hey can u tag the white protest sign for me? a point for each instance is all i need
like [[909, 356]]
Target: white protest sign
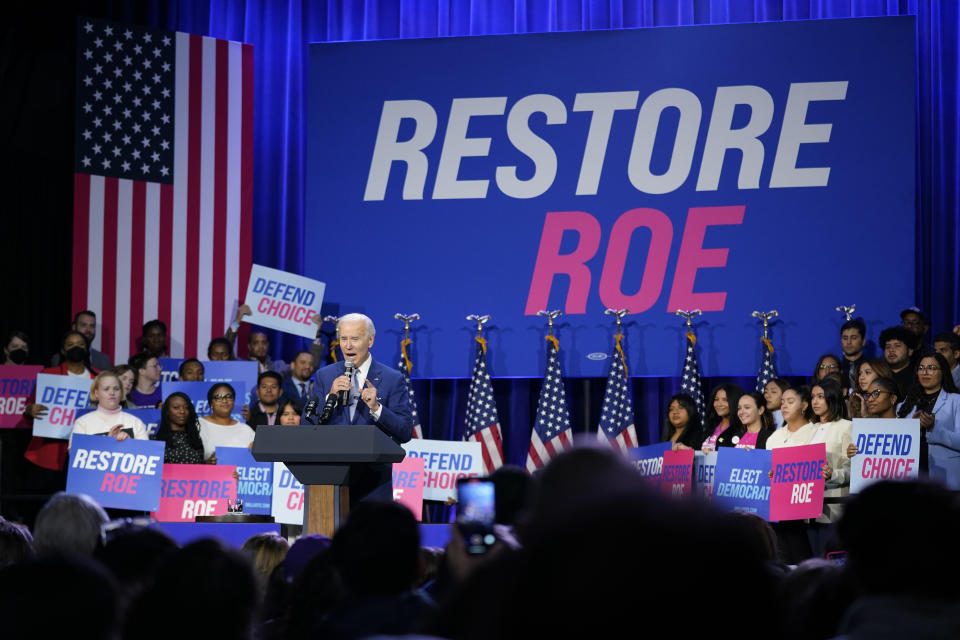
[[444, 463], [283, 301], [288, 496], [887, 449], [64, 397]]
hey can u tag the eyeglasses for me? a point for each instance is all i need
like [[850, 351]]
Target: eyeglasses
[[928, 367], [874, 394], [223, 396], [828, 367]]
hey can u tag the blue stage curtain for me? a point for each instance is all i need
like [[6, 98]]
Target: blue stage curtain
[[281, 30]]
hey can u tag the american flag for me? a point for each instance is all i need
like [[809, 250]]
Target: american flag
[[690, 383], [616, 417], [483, 425], [162, 183], [551, 431], [405, 370], [767, 370]]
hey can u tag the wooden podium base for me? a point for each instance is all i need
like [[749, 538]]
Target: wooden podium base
[[327, 505]]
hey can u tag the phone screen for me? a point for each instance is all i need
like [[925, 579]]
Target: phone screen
[[476, 509]]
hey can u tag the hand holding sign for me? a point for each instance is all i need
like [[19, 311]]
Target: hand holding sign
[[116, 431]]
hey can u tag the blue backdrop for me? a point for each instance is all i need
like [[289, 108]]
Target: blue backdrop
[[280, 32]]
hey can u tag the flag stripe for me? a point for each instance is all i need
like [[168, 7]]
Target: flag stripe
[[108, 265], [168, 266], [138, 259], [122, 269], [246, 201], [95, 254], [195, 144], [151, 259], [234, 186], [181, 178], [208, 155], [81, 215]]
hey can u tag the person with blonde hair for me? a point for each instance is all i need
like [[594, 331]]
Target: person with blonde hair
[[109, 418]]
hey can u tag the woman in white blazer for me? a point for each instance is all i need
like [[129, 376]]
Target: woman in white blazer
[[836, 432]]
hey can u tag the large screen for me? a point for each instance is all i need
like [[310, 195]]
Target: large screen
[[723, 168]]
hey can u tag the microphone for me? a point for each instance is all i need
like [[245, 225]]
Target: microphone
[[347, 371], [327, 412], [310, 409]]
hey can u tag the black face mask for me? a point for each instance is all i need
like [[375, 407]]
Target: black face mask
[[76, 354], [18, 356]]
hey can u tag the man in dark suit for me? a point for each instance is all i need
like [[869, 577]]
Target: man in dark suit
[[299, 387], [377, 396]]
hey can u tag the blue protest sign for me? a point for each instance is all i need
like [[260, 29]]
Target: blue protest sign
[[170, 369], [649, 460], [255, 486], [197, 392], [704, 468], [64, 397], [743, 480], [245, 371], [648, 189], [123, 475]]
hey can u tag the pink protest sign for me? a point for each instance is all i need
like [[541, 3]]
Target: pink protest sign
[[796, 489], [676, 479], [191, 490], [408, 484], [16, 385]]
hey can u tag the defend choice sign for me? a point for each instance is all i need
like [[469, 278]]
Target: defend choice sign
[[743, 481], [639, 186], [284, 301], [64, 397], [797, 489], [288, 496], [191, 490], [444, 463], [16, 385], [886, 450], [124, 475]]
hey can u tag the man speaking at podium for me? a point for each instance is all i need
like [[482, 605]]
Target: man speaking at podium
[[374, 394]]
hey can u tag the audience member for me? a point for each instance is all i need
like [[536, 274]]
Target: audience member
[[128, 379], [146, 393], [180, 430], [947, 344], [266, 409], [289, 413], [813, 598], [69, 524], [755, 423], [153, 339], [899, 537], [881, 400], [772, 396], [914, 321], [299, 385], [219, 429], [934, 400], [836, 432], [133, 553], [853, 337], [266, 552], [258, 345], [720, 417], [512, 487], [108, 419], [220, 349], [898, 344], [191, 370], [828, 366], [866, 371], [85, 323], [682, 426], [16, 543], [16, 348]]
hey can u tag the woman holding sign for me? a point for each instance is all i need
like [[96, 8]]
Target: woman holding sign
[[220, 429], [682, 426], [720, 417], [756, 422], [109, 419], [834, 430], [934, 400], [180, 429]]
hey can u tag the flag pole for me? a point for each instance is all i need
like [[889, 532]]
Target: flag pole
[[405, 343], [767, 369]]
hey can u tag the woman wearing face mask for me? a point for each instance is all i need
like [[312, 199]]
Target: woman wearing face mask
[[109, 418], [720, 416], [50, 454], [934, 400], [16, 348], [836, 432]]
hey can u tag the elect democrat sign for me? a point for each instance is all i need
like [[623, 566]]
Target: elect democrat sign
[[643, 169]]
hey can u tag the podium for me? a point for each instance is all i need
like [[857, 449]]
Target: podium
[[325, 459]]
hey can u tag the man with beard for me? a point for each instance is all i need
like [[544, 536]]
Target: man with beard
[[85, 323]]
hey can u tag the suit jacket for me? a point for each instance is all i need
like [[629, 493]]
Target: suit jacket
[[395, 416], [944, 440], [291, 391], [373, 482]]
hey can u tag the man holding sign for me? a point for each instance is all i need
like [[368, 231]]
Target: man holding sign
[[373, 394]]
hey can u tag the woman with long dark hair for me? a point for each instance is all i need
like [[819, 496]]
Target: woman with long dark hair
[[721, 415], [934, 400], [289, 413], [756, 423], [836, 432], [682, 424], [828, 366], [864, 373], [773, 396], [180, 429]]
